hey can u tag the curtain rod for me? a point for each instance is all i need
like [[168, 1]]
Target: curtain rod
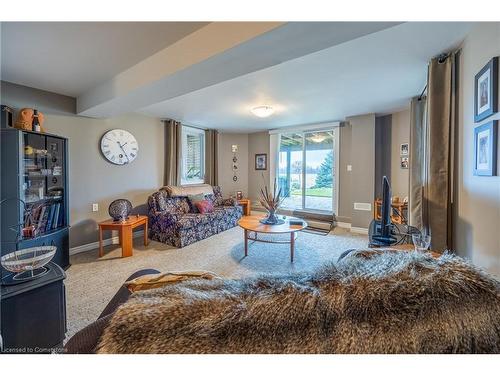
[[423, 92]]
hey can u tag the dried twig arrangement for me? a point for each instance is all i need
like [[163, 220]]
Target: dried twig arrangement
[[271, 201]]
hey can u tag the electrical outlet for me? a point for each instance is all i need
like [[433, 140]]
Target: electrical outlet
[[95, 207], [349, 168]]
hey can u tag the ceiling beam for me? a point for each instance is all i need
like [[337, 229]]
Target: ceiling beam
[[215, 53]]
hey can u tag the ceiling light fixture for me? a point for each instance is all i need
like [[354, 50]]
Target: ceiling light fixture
[[263, 111], [318, 138]]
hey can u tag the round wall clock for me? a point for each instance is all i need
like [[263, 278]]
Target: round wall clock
[[119, 146]]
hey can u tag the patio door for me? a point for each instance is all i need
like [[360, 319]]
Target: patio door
[[307, 170]]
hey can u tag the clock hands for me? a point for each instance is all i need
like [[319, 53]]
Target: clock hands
[[121, 146]]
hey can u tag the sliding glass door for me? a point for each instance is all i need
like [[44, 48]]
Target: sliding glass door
[[306, 170]]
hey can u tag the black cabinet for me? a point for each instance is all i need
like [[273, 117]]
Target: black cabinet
[[34, 169], [33, 313]]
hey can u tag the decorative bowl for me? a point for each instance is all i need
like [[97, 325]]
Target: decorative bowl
[[26, 260], [120, 209]]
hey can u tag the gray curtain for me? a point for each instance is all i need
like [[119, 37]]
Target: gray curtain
[[211, 149], [173, 149], [418, 126], [432, 147]]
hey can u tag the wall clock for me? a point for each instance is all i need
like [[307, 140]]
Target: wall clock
[[119, 146]]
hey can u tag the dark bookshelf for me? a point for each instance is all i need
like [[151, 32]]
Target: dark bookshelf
[[34, 170]]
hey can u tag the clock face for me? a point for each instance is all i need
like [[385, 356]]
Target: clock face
[[119, 146]]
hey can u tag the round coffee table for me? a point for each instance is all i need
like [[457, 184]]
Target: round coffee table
[[252, 224]]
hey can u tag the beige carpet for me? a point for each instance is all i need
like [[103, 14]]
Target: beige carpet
[[91, 282]]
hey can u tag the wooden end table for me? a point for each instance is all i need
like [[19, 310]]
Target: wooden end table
[[246, 204], [252, 224], [125, 229]]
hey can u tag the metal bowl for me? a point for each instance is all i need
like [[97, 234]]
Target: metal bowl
[[28, 259]]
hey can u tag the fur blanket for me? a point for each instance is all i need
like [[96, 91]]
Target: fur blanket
[[369, 302]]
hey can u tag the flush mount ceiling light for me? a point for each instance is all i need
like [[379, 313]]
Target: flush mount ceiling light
[[317, 138], [262, 111]]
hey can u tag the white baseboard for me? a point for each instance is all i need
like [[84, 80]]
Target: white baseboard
[[341, 224], [359, 230], [95, 245]]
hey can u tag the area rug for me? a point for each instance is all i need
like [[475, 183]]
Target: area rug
[[92, 281]]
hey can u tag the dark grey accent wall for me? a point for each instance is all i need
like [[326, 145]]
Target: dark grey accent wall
[[363, 167], [17, 96], [383, 141]]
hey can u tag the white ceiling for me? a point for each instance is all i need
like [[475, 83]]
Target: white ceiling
[[376, 73], [72, 57]]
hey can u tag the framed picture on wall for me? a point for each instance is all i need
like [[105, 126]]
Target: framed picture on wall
[[485, 149], [486, 91], [405, 162], [405, 149], [260, 162]]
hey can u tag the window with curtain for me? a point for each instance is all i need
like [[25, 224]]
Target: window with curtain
[[193, 155]]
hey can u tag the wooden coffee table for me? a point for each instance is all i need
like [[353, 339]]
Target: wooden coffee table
[[251, 224], [125, 229]]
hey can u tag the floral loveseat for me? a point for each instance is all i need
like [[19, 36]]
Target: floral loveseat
[[174, 221]]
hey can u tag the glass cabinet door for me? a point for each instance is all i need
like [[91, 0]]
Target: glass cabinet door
[[34, 168], [43, 184]]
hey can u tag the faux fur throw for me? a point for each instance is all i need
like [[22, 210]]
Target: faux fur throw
[[369, 302]]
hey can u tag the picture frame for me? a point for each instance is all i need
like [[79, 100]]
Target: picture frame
[[486, 91], [485, 149], [260, 162], [404, 149], [405, 162]]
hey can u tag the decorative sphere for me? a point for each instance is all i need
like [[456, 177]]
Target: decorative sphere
[[120, 209]]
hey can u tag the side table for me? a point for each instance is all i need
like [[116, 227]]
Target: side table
[[246, 204], [125, 229]]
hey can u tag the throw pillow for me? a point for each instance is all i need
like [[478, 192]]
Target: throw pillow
[[158, 280], [193, 199], [204, 207]]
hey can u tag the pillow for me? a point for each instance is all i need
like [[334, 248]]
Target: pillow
[[193, 199], [158, 280], [184, 191], [211, 198], [204, 207]]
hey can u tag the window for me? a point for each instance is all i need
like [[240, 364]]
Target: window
[[193, 155], [306, 170]]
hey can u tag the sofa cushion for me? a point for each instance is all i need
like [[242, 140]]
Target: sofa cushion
[[204, 207], [161, 198], [191, 220], [218, 199], [184, 191], [193, 199]]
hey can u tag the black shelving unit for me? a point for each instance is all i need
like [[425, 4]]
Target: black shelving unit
[[34, 170]]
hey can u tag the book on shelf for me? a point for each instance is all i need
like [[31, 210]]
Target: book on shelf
[[50, 217], [40, 226], [55, 223], [45, 217]]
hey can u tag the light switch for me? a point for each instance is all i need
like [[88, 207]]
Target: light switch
[[95, 207], [349, 168]]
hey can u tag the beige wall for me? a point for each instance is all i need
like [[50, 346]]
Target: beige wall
[[258, 143], [92, 179], [400, 133], [225, 157], [363, 167], [477, 233]]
